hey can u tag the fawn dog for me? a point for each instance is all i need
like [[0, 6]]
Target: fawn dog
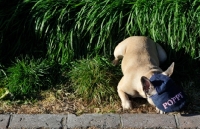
[[141, 57]]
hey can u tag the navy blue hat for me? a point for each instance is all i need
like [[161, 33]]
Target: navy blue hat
[[169, 97]]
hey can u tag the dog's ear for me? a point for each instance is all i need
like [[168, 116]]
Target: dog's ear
[[170, 70], [148, 88]]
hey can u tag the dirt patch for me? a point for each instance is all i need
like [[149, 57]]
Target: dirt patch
[[58, 102]]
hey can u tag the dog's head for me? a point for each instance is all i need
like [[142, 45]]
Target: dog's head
[[162, 90]]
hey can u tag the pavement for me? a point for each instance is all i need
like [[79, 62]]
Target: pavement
[[99, 121]]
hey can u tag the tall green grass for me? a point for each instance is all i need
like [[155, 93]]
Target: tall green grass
[[64, 30]]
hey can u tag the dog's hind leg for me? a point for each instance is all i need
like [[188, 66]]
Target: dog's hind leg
[[126, 103], [161, 53]]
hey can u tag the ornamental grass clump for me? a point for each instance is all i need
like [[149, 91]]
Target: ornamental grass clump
[[27, 77], [93, 80]]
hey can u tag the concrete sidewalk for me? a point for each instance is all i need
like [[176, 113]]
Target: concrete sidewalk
[[101, 121]]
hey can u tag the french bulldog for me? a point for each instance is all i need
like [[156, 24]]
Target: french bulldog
[[142, 76]]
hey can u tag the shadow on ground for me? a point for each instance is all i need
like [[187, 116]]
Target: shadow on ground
[[186, 74]]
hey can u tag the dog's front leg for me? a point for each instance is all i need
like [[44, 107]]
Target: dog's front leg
[[126, 103]]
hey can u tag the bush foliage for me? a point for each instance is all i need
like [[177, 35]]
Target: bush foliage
[[68, 29]]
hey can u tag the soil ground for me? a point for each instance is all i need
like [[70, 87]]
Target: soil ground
[[59, 102]]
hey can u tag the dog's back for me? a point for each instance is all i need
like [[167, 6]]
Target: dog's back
[[137, 52]]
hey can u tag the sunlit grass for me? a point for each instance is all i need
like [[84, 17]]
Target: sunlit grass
[[94, 79]]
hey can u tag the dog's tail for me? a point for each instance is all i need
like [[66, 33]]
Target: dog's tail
[[119, 53], [115, 62]]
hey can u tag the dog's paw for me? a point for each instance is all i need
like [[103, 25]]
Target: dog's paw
[[126, 105], [158, 111]]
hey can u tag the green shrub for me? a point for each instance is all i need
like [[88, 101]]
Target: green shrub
[[17, 35], [95, 26], [93, 79], [26, 77], [68, 29]]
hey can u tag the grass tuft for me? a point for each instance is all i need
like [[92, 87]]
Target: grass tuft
[[93, 79], [27, 76]]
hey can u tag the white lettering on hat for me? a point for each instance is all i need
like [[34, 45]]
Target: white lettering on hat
[[172, 101]]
